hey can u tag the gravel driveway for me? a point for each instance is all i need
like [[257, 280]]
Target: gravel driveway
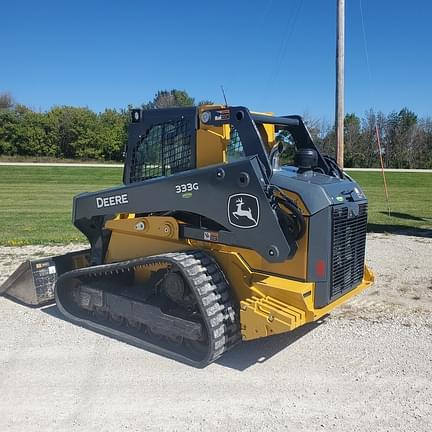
[[368, 367]]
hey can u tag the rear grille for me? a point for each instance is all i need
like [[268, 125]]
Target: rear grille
[[348, 254]]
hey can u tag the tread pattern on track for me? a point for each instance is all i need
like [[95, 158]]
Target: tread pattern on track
[[206, 280]]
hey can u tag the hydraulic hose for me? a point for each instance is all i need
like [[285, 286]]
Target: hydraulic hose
[[296, 217]]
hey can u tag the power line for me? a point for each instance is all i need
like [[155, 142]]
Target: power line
[[282, 49], [377, 131], [365, 41]]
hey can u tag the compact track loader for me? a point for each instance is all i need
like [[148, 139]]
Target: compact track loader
[[230, 225]]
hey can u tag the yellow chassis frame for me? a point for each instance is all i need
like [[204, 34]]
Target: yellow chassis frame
[[269, 304]]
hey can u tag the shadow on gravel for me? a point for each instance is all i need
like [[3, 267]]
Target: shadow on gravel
[[245, 354], [53, 311], [400, 230], [259, 351]]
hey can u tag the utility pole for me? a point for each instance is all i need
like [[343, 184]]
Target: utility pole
[[340, 82]]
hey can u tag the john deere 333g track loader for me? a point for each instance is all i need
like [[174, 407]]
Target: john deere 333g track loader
[[229, 225]]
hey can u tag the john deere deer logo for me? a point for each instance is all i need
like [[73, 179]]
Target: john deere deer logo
[[243, 210]]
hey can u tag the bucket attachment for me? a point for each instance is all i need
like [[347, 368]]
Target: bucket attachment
[[32, 283]]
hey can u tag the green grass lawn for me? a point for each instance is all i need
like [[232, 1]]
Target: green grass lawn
[[410, 202], [36, 202]]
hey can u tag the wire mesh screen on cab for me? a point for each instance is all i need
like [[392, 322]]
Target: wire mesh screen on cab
[[235, 149], [165, 149]]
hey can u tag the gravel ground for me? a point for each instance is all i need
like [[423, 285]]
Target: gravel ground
[[368, 367]]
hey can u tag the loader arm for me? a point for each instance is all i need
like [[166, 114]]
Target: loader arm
[[212, 191]]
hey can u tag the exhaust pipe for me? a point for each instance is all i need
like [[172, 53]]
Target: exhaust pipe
[[32, 283]]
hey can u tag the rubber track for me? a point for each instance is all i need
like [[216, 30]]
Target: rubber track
[[206, 280]]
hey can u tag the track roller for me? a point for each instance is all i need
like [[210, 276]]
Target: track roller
[[185, 310]]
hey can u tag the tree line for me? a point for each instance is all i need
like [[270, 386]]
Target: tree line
[[80, 133], [406, 139]]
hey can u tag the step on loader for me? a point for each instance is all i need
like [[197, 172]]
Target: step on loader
[[230, 225]]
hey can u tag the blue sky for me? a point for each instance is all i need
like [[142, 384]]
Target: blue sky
[[270, 55]]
